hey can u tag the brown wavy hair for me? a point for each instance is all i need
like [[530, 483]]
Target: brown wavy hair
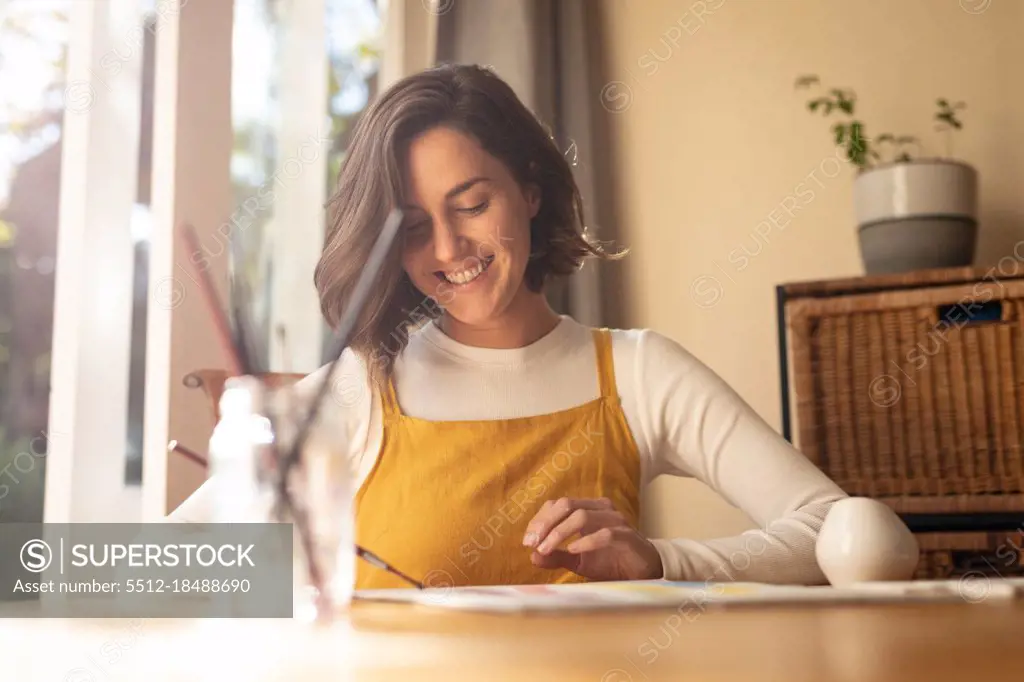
[[476, 102]]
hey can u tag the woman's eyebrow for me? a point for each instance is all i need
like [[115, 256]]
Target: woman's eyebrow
[[463, 186]]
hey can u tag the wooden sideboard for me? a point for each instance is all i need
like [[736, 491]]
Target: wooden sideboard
[[910, 389]]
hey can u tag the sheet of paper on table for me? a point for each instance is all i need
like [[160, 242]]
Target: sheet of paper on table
[[661, 593]]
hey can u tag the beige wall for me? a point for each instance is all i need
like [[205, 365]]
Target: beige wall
[[709, 143]]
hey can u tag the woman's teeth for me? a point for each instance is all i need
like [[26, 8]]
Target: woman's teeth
[[468, 275]]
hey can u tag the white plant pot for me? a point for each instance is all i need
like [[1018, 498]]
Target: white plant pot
[[916, 215]]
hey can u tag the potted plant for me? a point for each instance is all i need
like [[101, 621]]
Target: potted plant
[[913, 212]]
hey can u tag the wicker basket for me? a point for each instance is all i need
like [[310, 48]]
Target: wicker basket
[[910, 389], [952, 555]]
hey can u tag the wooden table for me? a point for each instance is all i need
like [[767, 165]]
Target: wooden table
[[376, 642]]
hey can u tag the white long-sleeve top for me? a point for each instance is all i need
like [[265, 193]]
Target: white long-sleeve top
[[685, 420]]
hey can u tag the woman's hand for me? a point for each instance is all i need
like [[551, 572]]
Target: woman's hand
[[608, 547]]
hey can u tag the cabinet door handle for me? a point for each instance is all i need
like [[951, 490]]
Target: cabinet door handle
[[962, 314]]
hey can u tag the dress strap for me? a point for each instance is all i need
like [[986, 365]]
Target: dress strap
[[605, 364], [389, 400]]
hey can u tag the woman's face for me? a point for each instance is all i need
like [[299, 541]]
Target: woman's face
[[466, 227]]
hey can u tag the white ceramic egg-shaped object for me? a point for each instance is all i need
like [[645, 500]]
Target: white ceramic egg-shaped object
[[863, 540]]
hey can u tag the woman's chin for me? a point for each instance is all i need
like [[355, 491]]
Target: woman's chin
[[473, 316], [475, 311]]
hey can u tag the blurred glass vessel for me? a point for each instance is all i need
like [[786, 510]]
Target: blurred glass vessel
[[256, 424]]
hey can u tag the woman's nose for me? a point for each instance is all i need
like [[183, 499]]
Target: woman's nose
[[446, 242]]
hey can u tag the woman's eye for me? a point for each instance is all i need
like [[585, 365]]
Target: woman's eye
[[416, 230], [475, 210]]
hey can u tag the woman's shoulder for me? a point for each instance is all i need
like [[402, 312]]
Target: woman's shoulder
[[349, 385], [655, 357], [659, 362], [647, 344], [351, 363]]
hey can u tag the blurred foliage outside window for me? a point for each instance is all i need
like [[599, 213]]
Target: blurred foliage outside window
[[33, 51], [353, 51]]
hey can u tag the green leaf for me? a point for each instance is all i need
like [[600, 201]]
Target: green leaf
[[942, 103], [856, 140], [813, 104], [840, 132], [806, 81], [844, 100]]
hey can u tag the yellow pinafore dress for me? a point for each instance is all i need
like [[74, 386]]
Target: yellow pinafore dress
[[448, 502]]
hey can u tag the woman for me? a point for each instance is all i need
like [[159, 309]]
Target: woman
[[497, 442]]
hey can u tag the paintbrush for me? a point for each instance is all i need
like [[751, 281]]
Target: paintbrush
[[175, 446], [241, 309], [364, 554], [236, 341], [349, 319], [226, 335], [346, 328], [374, 560]]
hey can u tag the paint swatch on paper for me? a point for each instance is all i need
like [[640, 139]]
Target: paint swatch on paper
[[663, 594]]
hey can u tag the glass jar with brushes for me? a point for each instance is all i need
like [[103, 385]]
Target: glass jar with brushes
[[258, 478]]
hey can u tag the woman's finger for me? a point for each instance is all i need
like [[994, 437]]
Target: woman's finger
[[554, 512], [557, 559], [581, 521], [600, 539]]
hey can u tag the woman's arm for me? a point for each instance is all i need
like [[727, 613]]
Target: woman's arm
[[697, 425]]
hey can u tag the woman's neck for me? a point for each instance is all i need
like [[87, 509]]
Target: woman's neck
[[529, 318]]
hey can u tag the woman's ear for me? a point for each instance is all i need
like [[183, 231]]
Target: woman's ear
[[531, 192]]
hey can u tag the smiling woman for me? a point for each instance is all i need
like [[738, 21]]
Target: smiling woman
[[496, 441], [469, 164], [473, 211]]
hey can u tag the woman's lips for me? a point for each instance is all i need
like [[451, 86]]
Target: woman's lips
[[466, 276]]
